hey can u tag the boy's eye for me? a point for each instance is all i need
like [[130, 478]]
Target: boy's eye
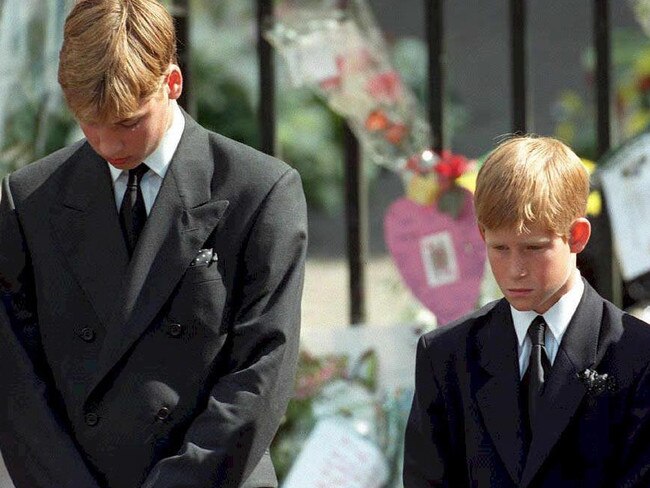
[[130, 123]]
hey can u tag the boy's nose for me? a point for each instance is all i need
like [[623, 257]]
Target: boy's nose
[[109, 146], [518, 268]]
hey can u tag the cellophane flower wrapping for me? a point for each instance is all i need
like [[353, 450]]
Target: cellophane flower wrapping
[[337, 49]]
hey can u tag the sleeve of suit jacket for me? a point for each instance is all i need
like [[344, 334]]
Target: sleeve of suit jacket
[[426, 439], [226, 441], [37, 448]]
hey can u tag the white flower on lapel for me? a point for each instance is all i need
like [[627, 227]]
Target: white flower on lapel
[[596, 383]]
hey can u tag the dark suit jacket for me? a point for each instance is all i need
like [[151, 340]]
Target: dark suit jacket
[[465, 429], [160, 373]]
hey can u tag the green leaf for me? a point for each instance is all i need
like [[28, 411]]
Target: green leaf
[[451, 201]]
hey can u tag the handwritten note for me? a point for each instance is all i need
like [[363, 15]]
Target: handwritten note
[[335, 456], [625, 181]]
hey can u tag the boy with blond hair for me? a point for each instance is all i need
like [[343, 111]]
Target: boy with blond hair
[[152, 277], [549, 386]]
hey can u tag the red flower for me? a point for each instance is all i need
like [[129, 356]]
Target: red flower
[[395, 133], [451, 166], [377, 120], [413, 164], [331, 83], [385, 86]]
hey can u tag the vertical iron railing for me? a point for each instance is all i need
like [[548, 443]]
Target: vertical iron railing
[[598, 260], [601, 41], [518, 53], [355, 194], [356, 221], [435, 41], [605, 279], [267, 81], [180, 10], [356, 213]]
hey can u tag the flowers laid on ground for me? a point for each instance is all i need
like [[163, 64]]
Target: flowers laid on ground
[[329, 386]]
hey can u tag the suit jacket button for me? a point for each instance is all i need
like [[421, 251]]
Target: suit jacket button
[[88, 334], [175, 330], [163, 413], [91, 419]]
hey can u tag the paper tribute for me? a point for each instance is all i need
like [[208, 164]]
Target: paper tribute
[[625, 180], [439, 259], [336, 456]]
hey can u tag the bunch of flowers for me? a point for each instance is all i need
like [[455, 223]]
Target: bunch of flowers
[[328, 386], [440, 179], [338, 52]]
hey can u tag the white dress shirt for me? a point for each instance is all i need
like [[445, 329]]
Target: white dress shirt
[[158, 162], [557, 318]]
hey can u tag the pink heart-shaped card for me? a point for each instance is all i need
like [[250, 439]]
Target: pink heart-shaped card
[[440, 258]]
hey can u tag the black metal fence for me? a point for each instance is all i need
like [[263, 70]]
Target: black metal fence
[[597, 263]]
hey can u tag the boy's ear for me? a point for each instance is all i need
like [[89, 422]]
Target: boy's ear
[[174, 82], [579, 234]]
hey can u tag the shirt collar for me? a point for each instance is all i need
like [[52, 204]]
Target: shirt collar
[[159, 160], [557, 317]]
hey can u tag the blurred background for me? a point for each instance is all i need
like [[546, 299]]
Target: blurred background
[[225, 97], [224, 90]]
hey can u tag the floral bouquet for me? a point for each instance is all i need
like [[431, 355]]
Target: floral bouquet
[[328, 387], [336, 49]]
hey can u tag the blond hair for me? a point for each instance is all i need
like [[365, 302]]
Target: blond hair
[[531, 180], [115, 55]]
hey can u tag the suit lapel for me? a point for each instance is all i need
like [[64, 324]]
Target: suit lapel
[[497, 391], [563, 391], [86, 227], [183, 216]]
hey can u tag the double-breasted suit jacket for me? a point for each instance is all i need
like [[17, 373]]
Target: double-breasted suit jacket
[[162, 370], [465, 427]]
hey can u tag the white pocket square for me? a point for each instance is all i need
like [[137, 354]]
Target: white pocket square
[[204, 258]]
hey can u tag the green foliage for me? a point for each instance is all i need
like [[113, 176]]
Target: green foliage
[[575, 115], [32, 132], [309, 136], [222, 103]]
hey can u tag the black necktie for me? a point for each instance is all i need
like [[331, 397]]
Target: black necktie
[[133, 213], [538, 367]]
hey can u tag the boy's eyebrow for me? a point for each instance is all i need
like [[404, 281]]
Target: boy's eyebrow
[[532, 240], [536, 241]]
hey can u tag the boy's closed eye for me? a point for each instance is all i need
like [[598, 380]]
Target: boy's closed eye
[[131, 123], [535, 247]]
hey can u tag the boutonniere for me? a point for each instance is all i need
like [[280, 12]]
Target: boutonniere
[[596, 383]]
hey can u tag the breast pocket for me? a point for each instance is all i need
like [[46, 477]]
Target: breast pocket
[[204, 267]]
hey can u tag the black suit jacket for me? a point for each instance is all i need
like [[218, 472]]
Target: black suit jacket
[[161, 373], [465, 428]]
